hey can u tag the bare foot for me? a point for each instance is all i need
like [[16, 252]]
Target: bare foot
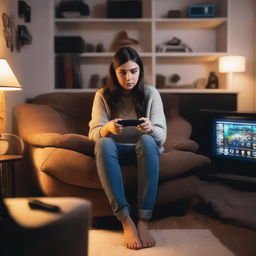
[[145, 237], [131, 236]]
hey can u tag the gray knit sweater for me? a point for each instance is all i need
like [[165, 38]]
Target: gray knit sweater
[[101, 115]]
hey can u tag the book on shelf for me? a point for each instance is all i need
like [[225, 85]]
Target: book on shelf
[[68, 72]]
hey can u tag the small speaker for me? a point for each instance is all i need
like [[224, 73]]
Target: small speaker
[[201, 10], [124, 9]]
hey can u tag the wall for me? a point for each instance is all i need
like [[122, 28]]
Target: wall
[[241, 42], [33, 65]]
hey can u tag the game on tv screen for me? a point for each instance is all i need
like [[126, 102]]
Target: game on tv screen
[[234, 139]]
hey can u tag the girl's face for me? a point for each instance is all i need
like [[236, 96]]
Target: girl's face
[[128, 75]]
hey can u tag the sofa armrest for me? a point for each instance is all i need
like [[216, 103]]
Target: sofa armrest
[[75, 142], [186, 145], [178, 137]]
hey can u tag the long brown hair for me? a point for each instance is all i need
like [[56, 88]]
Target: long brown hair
[[113, 90]]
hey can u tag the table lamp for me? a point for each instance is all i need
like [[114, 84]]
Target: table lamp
[[231, 64], [8, 82]]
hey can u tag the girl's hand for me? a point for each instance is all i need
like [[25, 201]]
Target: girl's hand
[[146, 126], [111, 127]]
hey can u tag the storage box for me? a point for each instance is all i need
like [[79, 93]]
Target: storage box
[[69, 44], [124, 9]]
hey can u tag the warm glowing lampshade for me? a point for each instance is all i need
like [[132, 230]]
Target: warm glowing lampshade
[[8, 81], [229, 64]]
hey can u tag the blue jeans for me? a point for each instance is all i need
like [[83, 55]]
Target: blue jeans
[[110, 155]]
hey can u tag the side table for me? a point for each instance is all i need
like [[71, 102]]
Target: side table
[[7, 172]]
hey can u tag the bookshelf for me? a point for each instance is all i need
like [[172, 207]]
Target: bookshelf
[[208, 38]]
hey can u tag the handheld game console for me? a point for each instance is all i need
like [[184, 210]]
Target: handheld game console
[[130, 122]]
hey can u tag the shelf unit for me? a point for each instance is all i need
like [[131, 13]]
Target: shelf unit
[[208, 38]]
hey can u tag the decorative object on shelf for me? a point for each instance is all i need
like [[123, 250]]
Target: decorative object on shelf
[[174, 45], [174, 41], [213, 81], [94, 81], [100, 47], [89, 47], [24, 10], [124, 9], [68, 72], [72, 9], [8, 82], [231, 64], [201, 10], [160, 81], [122, 40], [175, 78], [173, 14], [69, 44], [200, 83], [97, 82], [94, 48], [23, 36]]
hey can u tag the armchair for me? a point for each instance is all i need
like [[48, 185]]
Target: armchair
[[54, 127]]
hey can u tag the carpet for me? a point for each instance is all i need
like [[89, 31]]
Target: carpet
[[169, 242]]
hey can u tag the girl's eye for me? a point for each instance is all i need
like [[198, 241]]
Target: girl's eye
[[134, 71]]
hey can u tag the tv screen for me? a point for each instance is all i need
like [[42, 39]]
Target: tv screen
[[234, 139]]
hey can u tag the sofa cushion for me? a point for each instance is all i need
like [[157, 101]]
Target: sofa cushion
[[33, 119], [175, 163], [80, 170]]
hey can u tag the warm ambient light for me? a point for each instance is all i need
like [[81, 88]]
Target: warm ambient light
[[8, 81], [231, 64]]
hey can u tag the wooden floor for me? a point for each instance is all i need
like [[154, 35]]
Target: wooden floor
[[241, 241]]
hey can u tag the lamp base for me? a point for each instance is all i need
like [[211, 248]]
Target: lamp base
[[4, 146], [11, 144]]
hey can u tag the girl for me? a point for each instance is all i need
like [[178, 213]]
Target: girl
[[127, 97]]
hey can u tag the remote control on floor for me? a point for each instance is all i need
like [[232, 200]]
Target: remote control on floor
[[39, 205]]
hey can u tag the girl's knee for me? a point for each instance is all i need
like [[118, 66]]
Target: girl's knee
[[147, 140], [146, 143], [104, 144]]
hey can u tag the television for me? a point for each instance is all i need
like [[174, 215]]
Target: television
[[233, 144], [235, 139]]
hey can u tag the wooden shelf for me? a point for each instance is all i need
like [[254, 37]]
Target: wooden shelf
[[100, 20], [180, 91], [191, 23], [190, 56]]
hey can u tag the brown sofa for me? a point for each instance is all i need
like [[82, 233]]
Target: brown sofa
[[59, 157]]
